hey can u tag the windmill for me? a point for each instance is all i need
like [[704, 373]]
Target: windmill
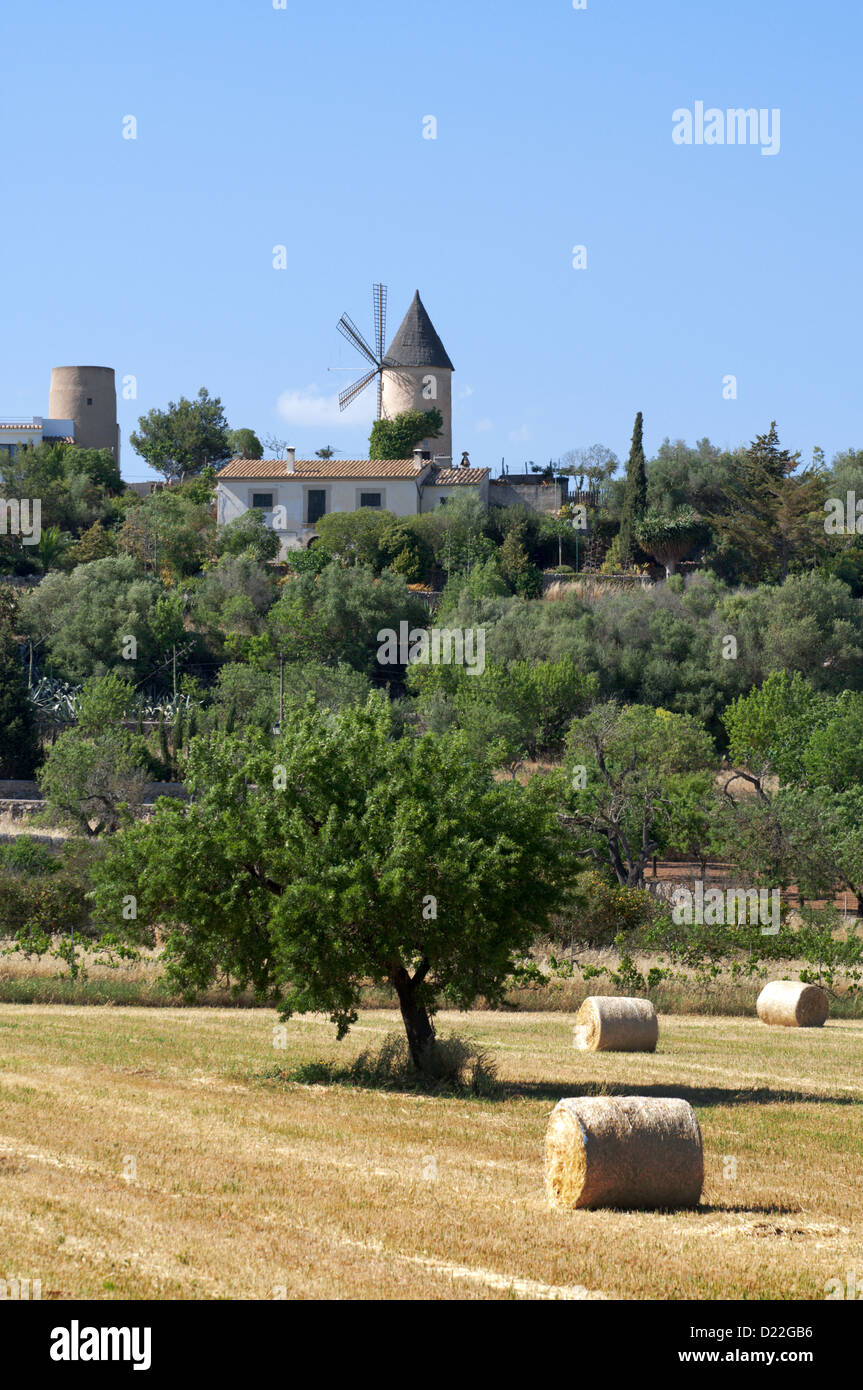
[[349, 330]]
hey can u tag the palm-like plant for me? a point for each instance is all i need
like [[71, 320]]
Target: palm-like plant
[[50, 547]]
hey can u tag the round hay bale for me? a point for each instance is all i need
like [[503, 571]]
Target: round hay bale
[[790, 1004], [627, 1151], [607, 1024]]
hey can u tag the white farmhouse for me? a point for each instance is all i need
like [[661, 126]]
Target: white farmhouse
[[294, 494]]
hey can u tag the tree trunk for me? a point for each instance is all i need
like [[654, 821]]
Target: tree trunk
[[418, 1025]]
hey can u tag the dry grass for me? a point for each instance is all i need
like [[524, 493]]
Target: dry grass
[[44, 980], [28, 825], [247, 1184]]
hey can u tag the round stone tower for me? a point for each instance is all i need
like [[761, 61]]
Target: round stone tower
[[87, 396], [418, 376]]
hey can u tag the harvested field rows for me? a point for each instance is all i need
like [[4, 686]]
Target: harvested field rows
[[246, 1185]]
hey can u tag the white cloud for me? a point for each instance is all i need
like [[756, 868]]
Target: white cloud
[[310, 408], [464, 393], [484, 426], [520, 436]]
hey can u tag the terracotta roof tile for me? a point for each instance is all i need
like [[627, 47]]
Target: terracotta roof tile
[[451, 477], [243, 469]]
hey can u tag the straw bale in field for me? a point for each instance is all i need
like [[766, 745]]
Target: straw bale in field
[[626, 1151], [791, 1004], [608, 1024]]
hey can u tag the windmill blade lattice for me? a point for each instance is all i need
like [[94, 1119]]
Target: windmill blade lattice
[[352, 334]]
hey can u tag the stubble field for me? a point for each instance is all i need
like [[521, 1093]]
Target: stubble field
[[161, 1153]]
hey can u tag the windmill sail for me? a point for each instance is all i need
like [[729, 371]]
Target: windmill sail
[[352, 334]]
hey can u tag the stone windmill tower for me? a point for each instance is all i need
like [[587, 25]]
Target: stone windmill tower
[[418, 376], [88, 397], [414, 374]]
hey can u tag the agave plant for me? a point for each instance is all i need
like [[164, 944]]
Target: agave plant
[[56, 700], [168, 707]]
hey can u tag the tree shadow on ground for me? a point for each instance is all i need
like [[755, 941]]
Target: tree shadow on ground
[[752, 1209], [698, 1096]]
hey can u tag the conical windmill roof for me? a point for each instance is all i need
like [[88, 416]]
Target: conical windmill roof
[[417, 343]]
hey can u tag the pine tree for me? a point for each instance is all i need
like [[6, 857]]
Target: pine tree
[[772, 513], [634, 495], [19, 734]]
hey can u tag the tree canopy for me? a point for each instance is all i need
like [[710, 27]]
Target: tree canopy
[[336, 855], [180, 441]]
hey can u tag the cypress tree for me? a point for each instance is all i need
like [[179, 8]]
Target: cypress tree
[[19, 732], [177, 737], [164, 752], [634, 494]]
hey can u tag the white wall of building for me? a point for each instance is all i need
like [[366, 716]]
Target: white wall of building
[[34, 432], [289, 498]]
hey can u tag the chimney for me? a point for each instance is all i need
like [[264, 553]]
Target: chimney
[[291, 460], [421, 456]]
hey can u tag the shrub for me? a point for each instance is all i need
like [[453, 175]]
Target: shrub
[[602, 910], [26, 855], [455, 1063]]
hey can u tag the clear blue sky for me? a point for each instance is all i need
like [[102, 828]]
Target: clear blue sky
[[260, 126]]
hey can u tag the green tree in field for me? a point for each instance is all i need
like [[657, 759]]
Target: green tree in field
[[622, 774], [180, 441], [97, 770], [769, 729], [833, 755], [336, 856], [398, 437], [103, 703], [634, 495], [92, 781]]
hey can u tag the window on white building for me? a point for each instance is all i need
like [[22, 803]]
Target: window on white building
[[316, 504]]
